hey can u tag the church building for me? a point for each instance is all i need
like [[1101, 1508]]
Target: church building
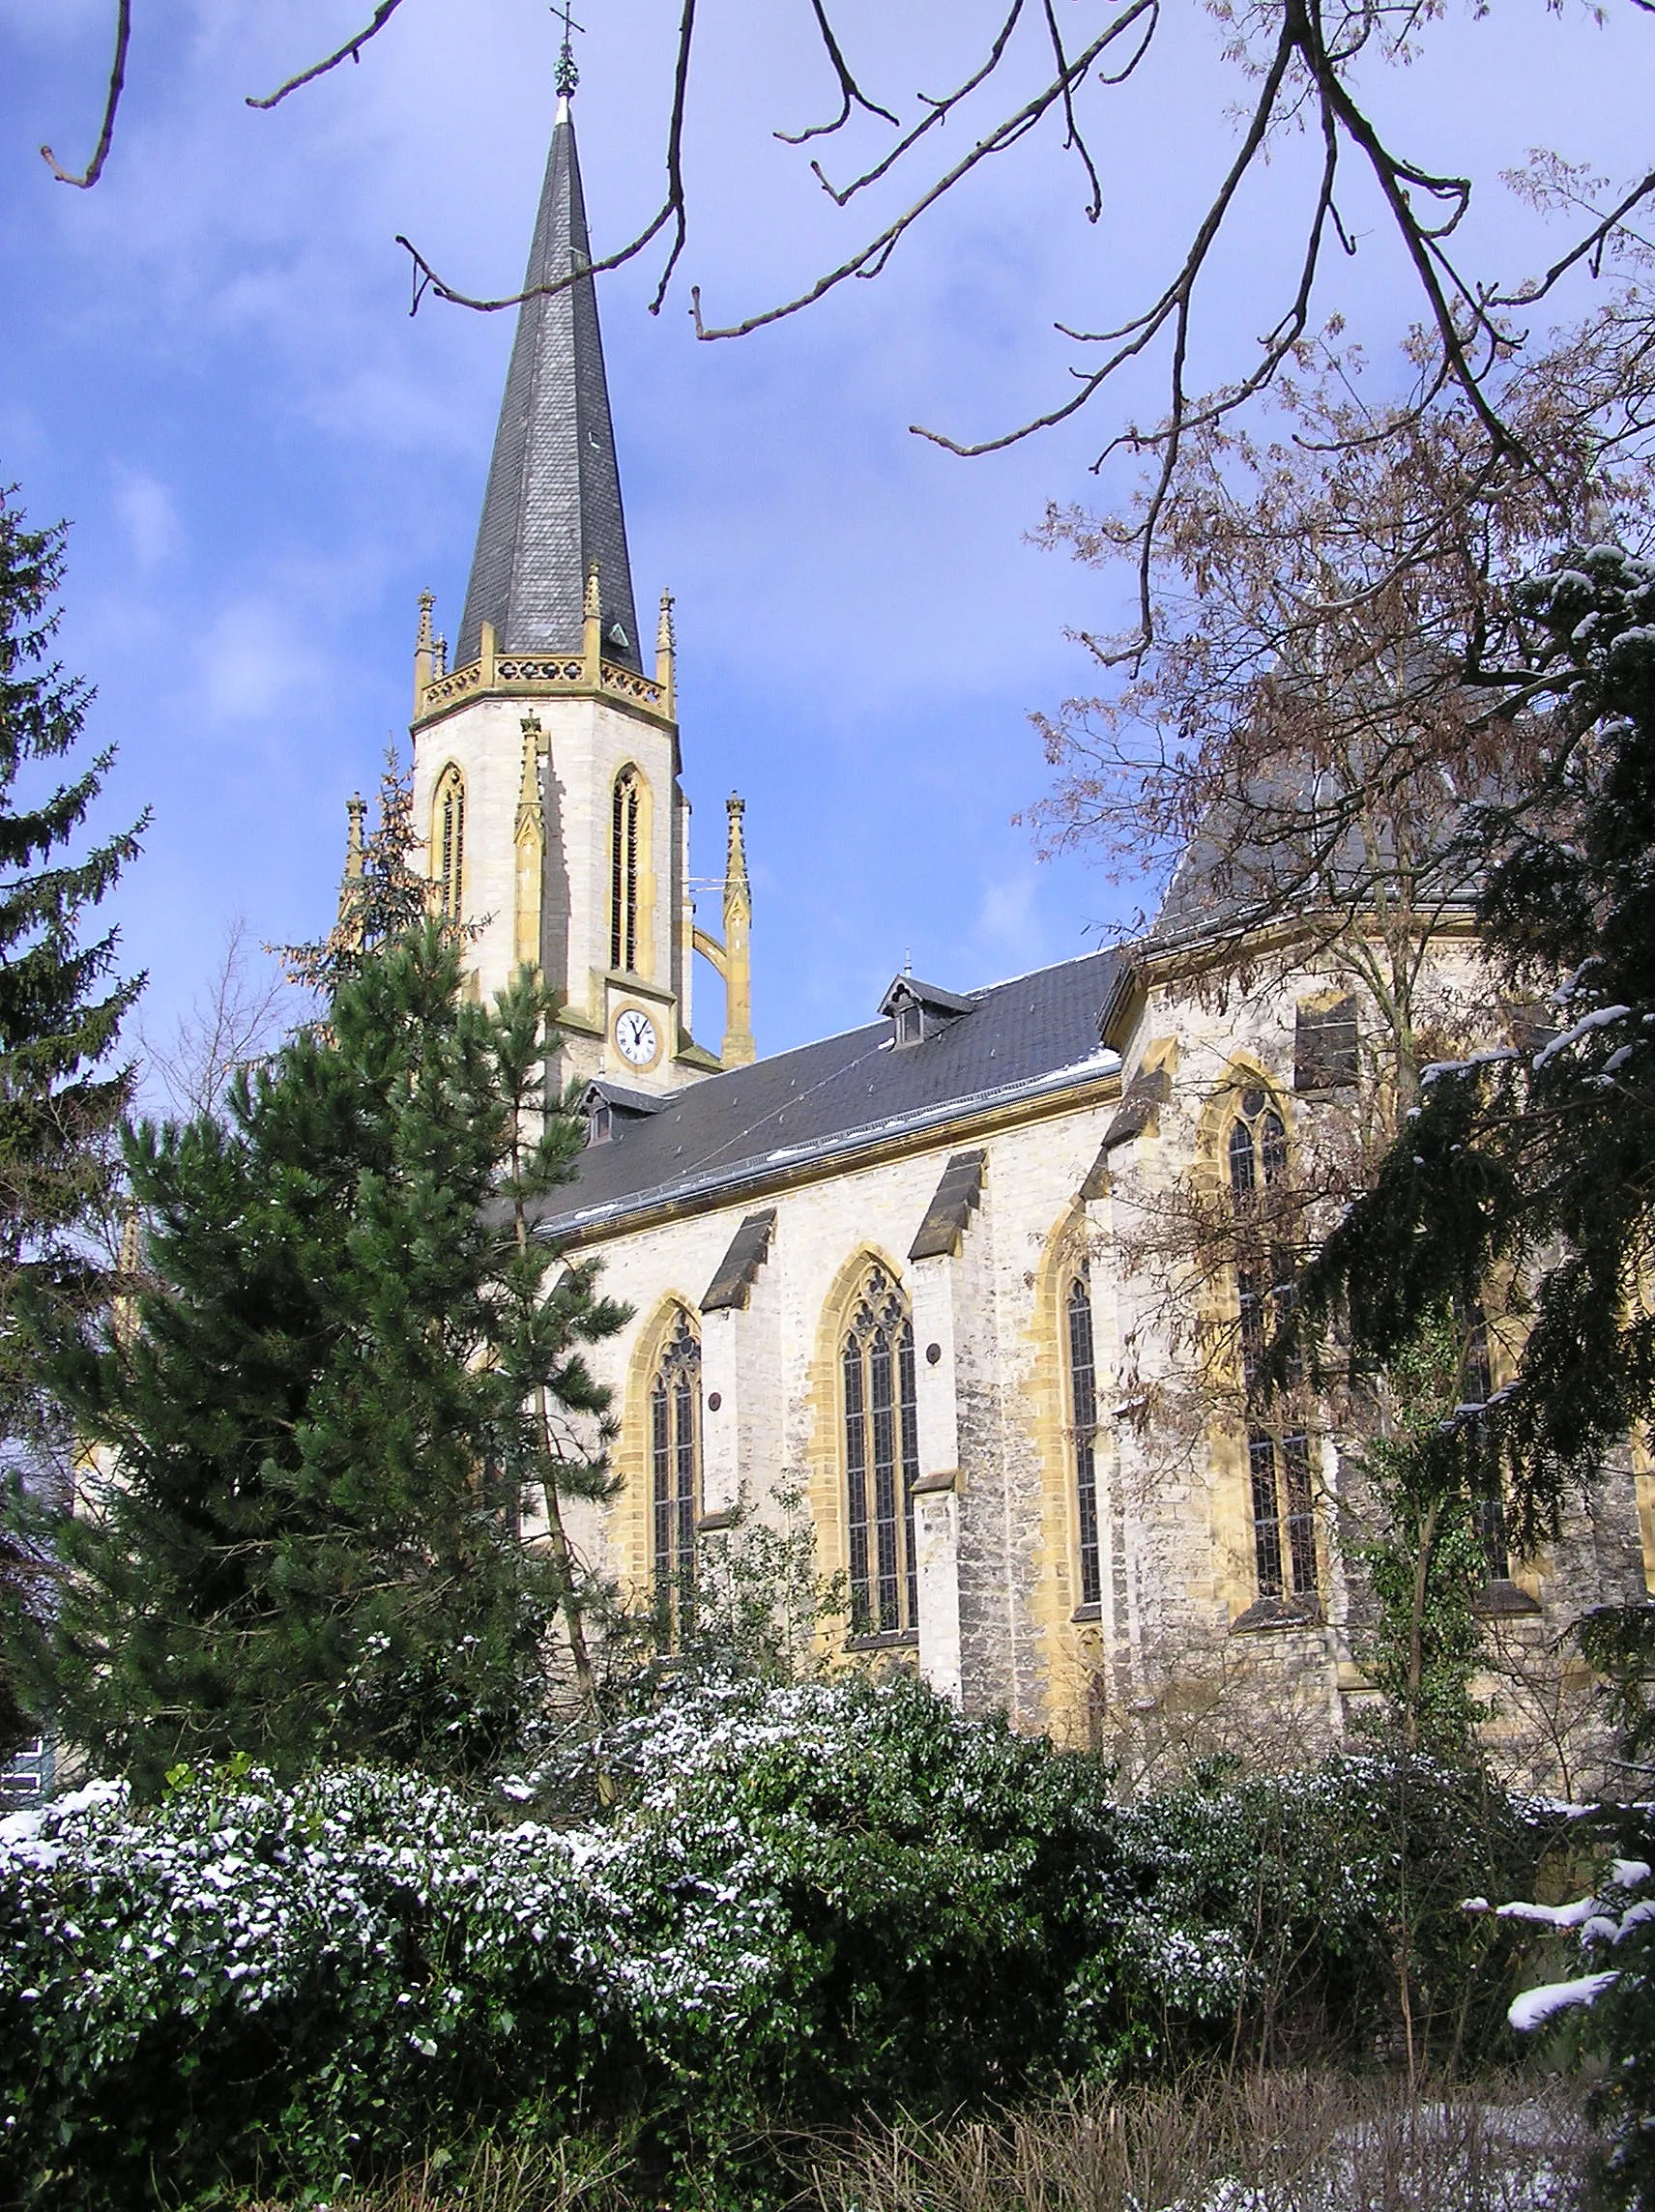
[[890, 1279]]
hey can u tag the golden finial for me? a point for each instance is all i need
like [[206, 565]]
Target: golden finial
[[356, 813], [426, 667], [738, 1049], [528, 791], [350, 886], [664, 648], [591, 634]]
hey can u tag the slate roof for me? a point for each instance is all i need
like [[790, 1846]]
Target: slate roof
[[1224, 882], [737, 1129], [553, 503]]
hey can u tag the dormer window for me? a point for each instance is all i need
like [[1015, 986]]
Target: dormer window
[[919, 1010], [610, 1110]]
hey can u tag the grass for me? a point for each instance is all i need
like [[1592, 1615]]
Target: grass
[[1270, 2142]]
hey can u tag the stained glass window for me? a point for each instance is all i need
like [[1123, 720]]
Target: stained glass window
[[1083, 1400], [1279, 1466]]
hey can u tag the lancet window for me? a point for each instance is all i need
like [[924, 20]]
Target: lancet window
[[1278, 1459], [882, 1458], [447, 841], [675, 1467], [1083, 1409], [625, 837]]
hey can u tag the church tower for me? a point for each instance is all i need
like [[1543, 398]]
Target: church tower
[[546, 765]]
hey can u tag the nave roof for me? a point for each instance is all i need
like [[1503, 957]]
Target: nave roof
[[846, 1093]]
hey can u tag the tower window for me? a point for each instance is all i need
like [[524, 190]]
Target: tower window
[[448, 838], [674, 1463], [882, 1458], [623, 886], [1083, 1402]]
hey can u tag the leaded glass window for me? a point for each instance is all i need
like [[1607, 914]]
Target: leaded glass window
[[1279, 1464], [882, 1458], [449, 829], [675, 1462], [623, 886], [1082, 1403]]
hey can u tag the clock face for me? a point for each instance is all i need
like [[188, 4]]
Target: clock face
[[635, 1035]]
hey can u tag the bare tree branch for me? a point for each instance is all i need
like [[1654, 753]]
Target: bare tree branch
[[850, 92], [872, 257], [351, 50], [673, 209], [1590, 246], [94, 169], [938, 111], [1302, 53]]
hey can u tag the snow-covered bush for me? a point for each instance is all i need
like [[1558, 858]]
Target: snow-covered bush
[[802, 1902], [1314, 1912], [1616, 1931]]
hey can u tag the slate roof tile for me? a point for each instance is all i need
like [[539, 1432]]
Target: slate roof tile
[[807, 1103], [553, 503]]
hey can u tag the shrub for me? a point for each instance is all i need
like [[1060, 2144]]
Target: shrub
[[801, 1904]]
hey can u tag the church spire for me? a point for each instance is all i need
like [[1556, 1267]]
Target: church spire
[[553, 504]]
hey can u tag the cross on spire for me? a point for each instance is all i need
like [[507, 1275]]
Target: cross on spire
[[568, 76]]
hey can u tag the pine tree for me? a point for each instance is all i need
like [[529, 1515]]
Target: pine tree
[[60, 1016], [344, 1393]]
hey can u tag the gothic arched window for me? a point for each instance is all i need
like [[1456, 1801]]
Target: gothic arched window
[[448, 842], [624, 864], [1278, 1461], [882, 1458], [1083, 1407], [674, 1471]]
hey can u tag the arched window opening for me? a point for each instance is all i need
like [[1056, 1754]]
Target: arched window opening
[[882, 1458], [449, 830], [674, 1463], [624, 885], [1278, 1462], [1083, 1405], [1257, 1148]]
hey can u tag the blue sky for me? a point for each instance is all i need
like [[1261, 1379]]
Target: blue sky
[[209, 366]]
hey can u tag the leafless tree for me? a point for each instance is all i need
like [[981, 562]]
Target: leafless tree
[[241, 1014], [1299, 68]]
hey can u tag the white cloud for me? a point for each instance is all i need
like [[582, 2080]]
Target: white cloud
[[150, 517], [1009, 926], [251, 661]]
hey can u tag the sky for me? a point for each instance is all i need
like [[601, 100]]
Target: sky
[[208, 364]]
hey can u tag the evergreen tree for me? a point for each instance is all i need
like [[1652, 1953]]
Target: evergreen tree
[[341, 1391], [60, 1016]]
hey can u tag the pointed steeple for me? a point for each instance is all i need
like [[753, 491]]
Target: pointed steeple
[[553, 504]]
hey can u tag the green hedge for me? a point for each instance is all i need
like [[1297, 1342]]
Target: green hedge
[[801, 1904]]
